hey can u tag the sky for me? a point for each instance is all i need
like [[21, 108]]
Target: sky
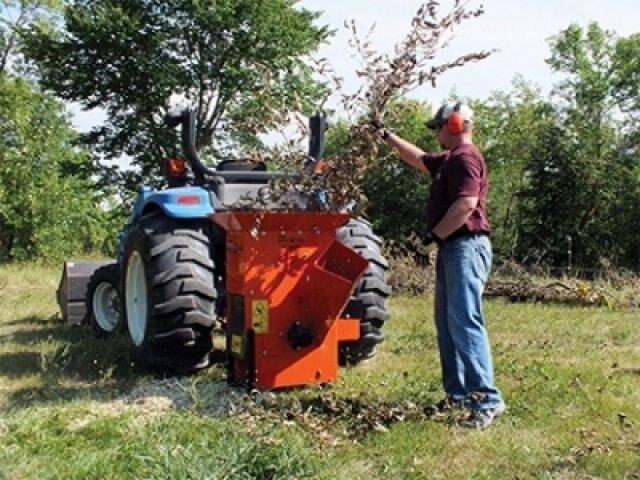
[[518, 29]]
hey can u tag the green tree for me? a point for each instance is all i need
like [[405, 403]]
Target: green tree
[[587, 95], [16, 15], [549, 199], [47, 206], [627, 74], [506, 130], [621, 239], [236, 61], [594, 101]]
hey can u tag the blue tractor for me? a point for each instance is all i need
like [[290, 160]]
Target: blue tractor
[[167, 288]]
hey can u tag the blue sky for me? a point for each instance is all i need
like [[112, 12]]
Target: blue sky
[[519, 29]]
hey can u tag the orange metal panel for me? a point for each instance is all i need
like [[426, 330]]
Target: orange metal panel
[[291, 270]]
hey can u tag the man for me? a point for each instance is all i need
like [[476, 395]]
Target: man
[[457, 223]]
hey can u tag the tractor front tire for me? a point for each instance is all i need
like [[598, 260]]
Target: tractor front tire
[[103, 302], [169, 293], [369, 297]]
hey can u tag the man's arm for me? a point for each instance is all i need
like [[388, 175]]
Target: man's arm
[[456, 216], [408, 152]]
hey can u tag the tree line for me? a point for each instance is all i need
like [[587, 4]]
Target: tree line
[[565, 176]]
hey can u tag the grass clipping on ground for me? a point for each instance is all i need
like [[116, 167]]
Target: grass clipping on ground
[[211, 398]]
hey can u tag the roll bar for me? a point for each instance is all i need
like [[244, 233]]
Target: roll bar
[[187, 121]]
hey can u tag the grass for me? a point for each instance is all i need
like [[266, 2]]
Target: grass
[[571, 378]]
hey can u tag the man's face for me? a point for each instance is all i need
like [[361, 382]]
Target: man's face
[[443, 135]]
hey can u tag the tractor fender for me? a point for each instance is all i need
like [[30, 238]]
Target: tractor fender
[[181, 202]]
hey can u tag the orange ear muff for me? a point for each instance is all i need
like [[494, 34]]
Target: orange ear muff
[[455, 123]]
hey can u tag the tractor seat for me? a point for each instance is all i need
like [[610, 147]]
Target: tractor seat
[[241, 166]]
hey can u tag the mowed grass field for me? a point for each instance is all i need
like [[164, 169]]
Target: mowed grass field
[[73, 406]]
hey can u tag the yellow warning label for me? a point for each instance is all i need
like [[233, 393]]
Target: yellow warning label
[[260, 316], [236, 344]]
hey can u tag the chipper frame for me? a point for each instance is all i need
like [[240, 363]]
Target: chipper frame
[[288, 280]]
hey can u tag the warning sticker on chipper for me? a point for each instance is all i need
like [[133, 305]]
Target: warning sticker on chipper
[[260, 316], [236, 344]]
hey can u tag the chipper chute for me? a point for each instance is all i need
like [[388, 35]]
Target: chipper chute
[[288, 282]]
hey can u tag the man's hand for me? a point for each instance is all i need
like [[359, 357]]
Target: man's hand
[[378, 126], [432, 241]]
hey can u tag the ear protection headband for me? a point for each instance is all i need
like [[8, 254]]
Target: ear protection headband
[[455, 122]]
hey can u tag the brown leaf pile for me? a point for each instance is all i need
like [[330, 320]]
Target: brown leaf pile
[[413, 273], [333, 420]]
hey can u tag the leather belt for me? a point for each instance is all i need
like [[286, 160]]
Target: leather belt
[[462, 233]]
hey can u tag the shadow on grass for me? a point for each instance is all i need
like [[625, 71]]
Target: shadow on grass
[[64, 362], [18, 364], [45, 333], [30, 320], [67, 362]]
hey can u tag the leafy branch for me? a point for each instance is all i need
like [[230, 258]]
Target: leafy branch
[[387, 78]]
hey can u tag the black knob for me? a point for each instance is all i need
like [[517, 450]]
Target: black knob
[[299, 336]]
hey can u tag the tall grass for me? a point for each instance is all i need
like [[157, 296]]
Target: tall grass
[[570, 377]]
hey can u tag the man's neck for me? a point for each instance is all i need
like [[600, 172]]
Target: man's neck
[[462, 139]]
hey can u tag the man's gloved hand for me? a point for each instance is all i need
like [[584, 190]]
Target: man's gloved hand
[[432, 241], [378, 126]]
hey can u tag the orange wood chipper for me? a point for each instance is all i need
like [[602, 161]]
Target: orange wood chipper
[[288, 282]]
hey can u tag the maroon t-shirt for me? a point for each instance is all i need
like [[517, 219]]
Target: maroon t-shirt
[[461, 172]]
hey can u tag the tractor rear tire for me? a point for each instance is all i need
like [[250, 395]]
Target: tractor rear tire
[[103, 301], [169, 293], [369, 297]]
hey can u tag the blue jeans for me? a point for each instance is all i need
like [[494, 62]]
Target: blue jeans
[[462, 269]]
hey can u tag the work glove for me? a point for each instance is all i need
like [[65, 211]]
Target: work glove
[[378, 126], [432, 241]]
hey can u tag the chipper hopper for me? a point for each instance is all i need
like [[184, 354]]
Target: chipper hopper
[[288, 281], [298, 288]]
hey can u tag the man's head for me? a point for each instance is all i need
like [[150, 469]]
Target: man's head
[[452, 122]]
